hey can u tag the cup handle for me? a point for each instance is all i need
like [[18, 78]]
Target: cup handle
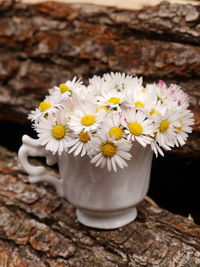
[[31, 147]]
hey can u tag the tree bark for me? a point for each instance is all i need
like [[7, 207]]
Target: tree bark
[[45, 44], [37, 228]]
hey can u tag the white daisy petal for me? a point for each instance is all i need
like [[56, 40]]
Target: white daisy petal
[[113, 165], [93, 160], [78, 150]]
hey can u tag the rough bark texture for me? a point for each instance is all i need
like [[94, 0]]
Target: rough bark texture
[[37, 228], [46, 44]]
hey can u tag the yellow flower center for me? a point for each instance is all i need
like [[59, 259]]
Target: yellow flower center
[[114, 100], [135, 128], [108, 149], [88, 120], [143, 90], [44, 106], [154, 111], [101, 107], [179, 128], [63, 88], [117, 132], [139, 104], [164, 125], [58, 131], [84, 137]]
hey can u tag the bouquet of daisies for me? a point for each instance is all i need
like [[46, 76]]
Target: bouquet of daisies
[[104, 119]]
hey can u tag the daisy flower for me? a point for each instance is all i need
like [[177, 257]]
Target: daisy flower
[[70, 104], [66, 89], [140, 99], [109, 152], [49, 106], [165, 128], [156, 110], [80, 144], [120, 81], [136, 85], [177, 95], [157, 92], [185, 120], [53, 132], [171, 97], [112, 125], [96, 85], [138, 127], [86, 118], [111, 99]]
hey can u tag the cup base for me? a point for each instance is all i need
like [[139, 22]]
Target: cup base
[[106, 220]]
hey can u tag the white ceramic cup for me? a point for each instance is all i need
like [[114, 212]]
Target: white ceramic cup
[[103, 199]]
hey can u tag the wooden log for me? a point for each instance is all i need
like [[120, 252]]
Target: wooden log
[[45, 44], [37, 228]]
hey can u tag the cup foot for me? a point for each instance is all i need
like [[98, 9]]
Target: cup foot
[[106, 220]]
